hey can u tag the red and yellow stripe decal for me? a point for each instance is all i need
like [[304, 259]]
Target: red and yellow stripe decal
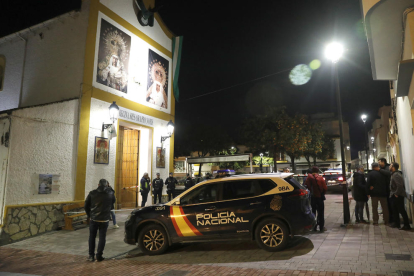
[[182, 225]]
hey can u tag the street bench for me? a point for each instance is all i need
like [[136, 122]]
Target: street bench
[[69, 218]]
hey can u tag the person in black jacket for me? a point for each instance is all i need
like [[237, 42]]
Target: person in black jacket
[[188, 182], [386, 173], [171, 182], [116, 226], [157, 184], [145, 188], [98, 209], [376, 184], [360, 194]]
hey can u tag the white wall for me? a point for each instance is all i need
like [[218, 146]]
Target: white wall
[[405, 134], [54, 61], [13, 53], [43, 140], [128, 11], [148, 143]]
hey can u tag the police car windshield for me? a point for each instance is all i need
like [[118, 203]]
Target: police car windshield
[[294, 183]]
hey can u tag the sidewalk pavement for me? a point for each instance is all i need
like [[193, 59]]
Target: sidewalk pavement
[[355, 250]]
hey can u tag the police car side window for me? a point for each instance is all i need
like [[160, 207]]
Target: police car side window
[[203, 194], [246, 188]]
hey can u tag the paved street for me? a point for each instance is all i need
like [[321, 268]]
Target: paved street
[[355, 250]]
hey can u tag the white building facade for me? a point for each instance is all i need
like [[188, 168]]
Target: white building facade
[[60, 77]]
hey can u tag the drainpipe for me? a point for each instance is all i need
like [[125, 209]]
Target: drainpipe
[[24, 64]]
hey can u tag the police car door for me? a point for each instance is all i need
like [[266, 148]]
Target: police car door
[[188, 217], [241, 204]]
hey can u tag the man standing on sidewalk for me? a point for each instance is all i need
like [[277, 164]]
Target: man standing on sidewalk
[[376, 184], [360, 194], [385, 171], [98, 209], [317, 186], [145, 188], [171, 182], [397, 195], [157, 185]]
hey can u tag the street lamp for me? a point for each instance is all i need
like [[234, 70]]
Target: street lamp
[[364, 119], [113, 115], [170, 131], [333, 52], [372, 139], [261, 162], [348, 147]]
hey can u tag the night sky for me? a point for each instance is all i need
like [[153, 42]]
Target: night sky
[[227, 43]]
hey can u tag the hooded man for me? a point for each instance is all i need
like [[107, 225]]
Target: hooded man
[[171, 182], [157, 184], [317, 186], [98, 209]]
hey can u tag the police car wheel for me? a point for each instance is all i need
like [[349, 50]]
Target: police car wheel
[[272, 235], [153, 240]]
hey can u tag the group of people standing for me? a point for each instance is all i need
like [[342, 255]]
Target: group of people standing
[[157, 185], [384, 185]]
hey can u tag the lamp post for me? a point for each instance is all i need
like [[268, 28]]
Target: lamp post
[[261, 162], [364, 119], [333, 52], [170, 131]]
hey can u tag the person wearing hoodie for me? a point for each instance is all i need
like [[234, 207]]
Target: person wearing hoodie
[[376, 188], [98, 209], [360, 193], [317, 186]]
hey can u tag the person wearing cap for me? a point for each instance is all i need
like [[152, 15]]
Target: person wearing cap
[[171, 182], [145, 188], [157, 185], [188, 182], [98, 209]]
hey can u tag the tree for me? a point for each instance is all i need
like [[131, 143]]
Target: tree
[[262, 132], [316, 143], [328, 149], [295, 137]]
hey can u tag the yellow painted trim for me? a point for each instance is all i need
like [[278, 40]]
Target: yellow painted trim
[[109, 98], [125, 24], [85, 101], [33, 204]]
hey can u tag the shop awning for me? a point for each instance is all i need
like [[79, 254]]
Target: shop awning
[[219, 159]]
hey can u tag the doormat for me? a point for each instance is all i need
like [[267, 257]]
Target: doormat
[[175, 273], [400, 257]]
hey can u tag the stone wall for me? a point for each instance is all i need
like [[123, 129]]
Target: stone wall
[[24, 222]]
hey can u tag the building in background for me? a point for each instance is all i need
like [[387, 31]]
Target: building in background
[[58, 81], [389, 27]]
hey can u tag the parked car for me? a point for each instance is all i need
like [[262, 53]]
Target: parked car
[[267, 208]]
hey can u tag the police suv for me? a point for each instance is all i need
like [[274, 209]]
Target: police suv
[[268, 208]]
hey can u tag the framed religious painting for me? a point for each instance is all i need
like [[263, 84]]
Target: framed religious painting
[[160, 160], [101, 152]]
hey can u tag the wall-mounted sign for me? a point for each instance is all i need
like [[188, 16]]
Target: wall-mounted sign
[[48, 184], [135, 117]]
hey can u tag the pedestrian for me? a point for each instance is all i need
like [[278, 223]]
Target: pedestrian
[[286, 170], [116, 226], [397, 194], [385, 171], [360, 193], [308, 171], [317, 186], [157, 185], [171, 182], [208, 176], [145, 188], [188, 182], [98, 209], [376, 184]]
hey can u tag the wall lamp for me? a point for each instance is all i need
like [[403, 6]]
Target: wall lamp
[[170, 131], [113, 115]]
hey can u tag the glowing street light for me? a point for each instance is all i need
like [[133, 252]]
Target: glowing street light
[[334, 51], [364, 118], [372, 139]]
